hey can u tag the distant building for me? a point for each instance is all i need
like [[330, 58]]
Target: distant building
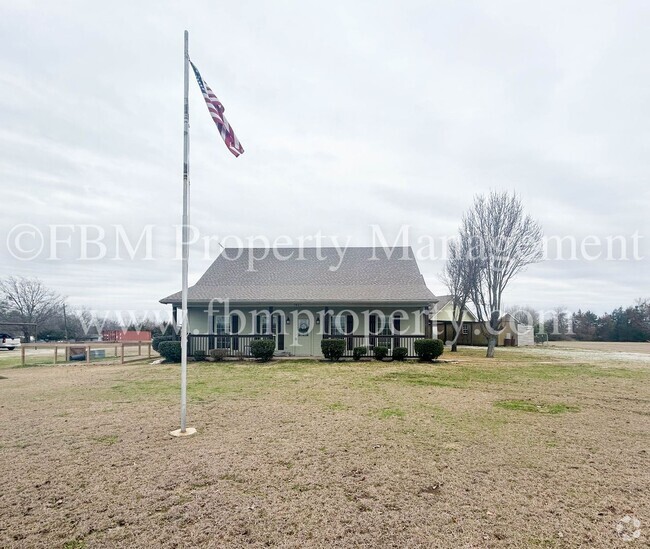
[[129, 335], [442, 316], [512, 333]]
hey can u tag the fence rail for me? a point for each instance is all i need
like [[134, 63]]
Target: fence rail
[[235, 345]]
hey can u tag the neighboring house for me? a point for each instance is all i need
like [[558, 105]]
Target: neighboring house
[[300, 296], [443, 316], [511, 331]]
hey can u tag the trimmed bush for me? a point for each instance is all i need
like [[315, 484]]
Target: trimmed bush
[[263, 349], [199, 355], [358, 352], [218, 354], [381, 352], [400, 353], [332, 349], [428, 349], [170, 350], [156, 341]]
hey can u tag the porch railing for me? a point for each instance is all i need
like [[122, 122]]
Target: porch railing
[[235, 345], [372, 341], [240, 345]]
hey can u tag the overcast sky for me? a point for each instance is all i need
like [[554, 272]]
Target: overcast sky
[[352, 114]]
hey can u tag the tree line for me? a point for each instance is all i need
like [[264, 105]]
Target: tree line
[[631, 323], [29, 306]]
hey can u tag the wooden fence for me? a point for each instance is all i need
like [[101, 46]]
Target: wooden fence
[[86, 348]]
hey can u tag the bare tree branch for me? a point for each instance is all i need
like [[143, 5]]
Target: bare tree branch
[[459, 275]]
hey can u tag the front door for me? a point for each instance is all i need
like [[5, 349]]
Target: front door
[[304, 335]]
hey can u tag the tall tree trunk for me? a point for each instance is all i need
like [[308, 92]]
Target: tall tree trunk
[[458, 326], [457, 331], [492, 343], [493, 333]]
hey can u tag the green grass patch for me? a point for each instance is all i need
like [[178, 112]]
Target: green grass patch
[[528, 406], [418, 378], [386, 413], [74, 544], [462, 376], [338, 406], [109, 440]]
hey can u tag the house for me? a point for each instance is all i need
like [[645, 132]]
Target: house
[[511, 332], [300, 296], [444, 318]]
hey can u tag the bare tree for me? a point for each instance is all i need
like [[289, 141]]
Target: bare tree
[[503, 241], [459, 275], [28, 301], [525, 314], [558, 323]]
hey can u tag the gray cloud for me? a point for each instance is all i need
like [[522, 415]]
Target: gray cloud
[[350, 114]]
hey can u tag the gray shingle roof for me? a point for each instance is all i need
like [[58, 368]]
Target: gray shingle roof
[[442, 301], [311, 275]]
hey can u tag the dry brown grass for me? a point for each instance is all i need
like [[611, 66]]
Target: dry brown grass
[[605, 346], [528, 450]]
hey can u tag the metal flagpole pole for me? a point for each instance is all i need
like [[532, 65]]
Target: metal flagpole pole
[[184, 430]]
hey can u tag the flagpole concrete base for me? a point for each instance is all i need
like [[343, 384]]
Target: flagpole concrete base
[[188, 431]]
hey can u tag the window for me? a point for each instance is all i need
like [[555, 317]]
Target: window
[[277, 327], [277, 323], [262, 323], [222, 328], [386, 330], [465, 329], [221, 324], [340, 325]]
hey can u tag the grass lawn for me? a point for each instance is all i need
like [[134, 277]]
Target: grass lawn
[[536, 448]]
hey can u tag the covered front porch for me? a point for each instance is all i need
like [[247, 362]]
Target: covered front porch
[[298, 331]]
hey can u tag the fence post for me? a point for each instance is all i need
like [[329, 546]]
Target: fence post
[[122, 353], [56, 353], [149, 350], [22, 355], [88, 354], [139, 348]]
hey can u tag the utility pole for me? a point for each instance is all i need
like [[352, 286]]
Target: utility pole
[[65, 323]]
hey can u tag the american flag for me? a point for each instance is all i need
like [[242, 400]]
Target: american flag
[[216, 112]]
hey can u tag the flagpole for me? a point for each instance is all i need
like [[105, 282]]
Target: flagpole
[[184, 430]]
